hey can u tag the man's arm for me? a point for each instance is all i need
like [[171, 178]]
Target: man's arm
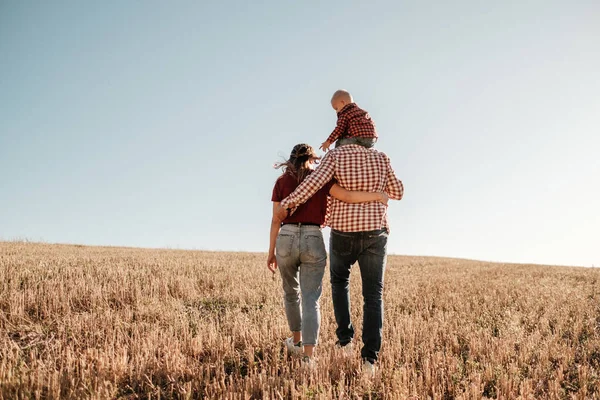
[[312, 183], [394, 187]]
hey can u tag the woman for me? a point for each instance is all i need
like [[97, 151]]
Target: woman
[[297, 247]]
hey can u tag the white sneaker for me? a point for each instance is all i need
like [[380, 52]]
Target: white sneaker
[[291, 347], [347, 349], [309, 363], [369, 369]]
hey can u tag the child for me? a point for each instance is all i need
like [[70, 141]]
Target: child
[[354, 125]]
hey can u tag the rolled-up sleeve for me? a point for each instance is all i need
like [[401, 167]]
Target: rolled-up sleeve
[[394, 187]]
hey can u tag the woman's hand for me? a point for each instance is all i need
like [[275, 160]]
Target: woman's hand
[[272, 262], [384, 198]]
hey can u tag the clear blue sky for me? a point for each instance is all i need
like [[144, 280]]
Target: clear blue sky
[[156, 124]]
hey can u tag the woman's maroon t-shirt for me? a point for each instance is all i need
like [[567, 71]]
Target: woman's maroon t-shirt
[[311, 212]]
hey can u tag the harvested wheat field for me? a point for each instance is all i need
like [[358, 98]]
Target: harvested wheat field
[[98, 322]]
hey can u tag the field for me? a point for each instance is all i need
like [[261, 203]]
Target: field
[[98, 322]]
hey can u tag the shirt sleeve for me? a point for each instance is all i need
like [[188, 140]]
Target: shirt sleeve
[[394, 187], [312, 183], [276, 196], [342, 126]]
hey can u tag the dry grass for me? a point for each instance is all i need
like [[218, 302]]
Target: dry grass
[[92, 322]]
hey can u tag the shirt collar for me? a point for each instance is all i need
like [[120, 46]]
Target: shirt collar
[[347, 107]]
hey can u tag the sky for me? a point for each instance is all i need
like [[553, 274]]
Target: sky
[[156, 124]]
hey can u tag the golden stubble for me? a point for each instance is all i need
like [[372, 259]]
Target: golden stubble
[[100, 322]]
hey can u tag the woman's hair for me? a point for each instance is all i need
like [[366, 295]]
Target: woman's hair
[[298, 164]]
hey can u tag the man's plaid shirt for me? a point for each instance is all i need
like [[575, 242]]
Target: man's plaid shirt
[[355, 168], [353, 121]]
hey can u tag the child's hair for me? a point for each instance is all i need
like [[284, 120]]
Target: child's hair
[[342, 95], [298, 164]]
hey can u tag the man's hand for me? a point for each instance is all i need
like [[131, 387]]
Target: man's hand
[[325, 146], [384, 198], [280, 214], [272, 263]]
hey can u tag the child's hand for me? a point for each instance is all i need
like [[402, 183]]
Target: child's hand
[[325, 146]]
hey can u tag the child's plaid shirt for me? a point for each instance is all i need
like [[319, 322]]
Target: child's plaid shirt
[[353, 121]]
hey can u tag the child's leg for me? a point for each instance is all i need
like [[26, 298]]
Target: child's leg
[[362, 141], [366, 142]]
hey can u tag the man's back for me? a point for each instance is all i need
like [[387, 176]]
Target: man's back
[[359, 168]]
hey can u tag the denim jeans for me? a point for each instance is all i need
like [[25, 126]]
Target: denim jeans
[[301, 257], [363, 141], [370, 250]]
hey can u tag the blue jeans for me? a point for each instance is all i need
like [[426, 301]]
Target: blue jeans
[[370, 250], [301, 257]]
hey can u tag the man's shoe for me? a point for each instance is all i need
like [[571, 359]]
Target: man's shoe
[[369, 369], [293, 348], [346, 349]]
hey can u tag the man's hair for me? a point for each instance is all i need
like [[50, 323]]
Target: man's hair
[[342, 95]]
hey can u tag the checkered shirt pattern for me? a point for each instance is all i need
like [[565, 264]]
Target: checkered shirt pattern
[[353, 121], [355, 168]]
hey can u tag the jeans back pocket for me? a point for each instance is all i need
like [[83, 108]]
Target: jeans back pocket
[[314, 249], [283, 245], [341, 244]]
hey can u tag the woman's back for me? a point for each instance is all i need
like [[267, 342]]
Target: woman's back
[[311, 212]]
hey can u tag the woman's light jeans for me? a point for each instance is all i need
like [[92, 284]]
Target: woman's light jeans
[[301, 257]]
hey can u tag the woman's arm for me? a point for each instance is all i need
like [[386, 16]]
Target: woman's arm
[[348, 196], [275, 225]]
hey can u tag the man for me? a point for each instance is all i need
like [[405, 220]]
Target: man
[[359, 232]]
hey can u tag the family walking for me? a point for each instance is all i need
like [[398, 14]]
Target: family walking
[[348, 192]]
